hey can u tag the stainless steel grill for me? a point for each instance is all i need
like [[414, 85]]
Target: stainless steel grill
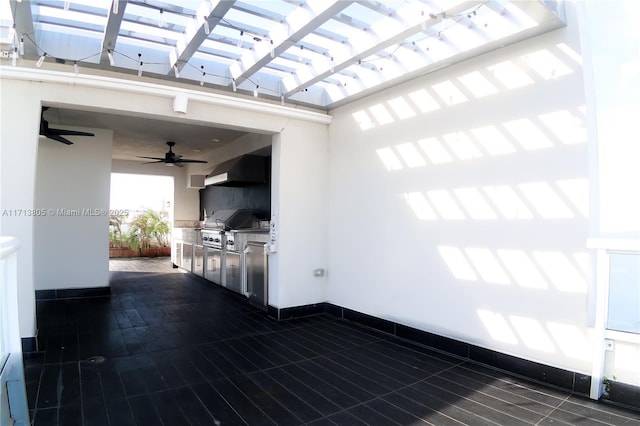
[[222, 255]]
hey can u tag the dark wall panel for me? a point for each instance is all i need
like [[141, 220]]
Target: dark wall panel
[[254, 196]]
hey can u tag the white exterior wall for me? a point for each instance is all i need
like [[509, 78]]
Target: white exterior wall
[[299, 212], [71, 247], [467, 215], [20, 113]]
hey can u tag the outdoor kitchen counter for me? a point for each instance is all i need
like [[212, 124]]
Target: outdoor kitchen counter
[[190, 235], [243, 236]]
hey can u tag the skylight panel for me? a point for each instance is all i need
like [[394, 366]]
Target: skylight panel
[[62, 17], [211, 43], [362, 14], [186, 6], [323, 44], [261, 26], [159, 35], [160, 49], [287, 63], [212, 58], [68, 32], [152, 16], [217, 49], [338, 27]]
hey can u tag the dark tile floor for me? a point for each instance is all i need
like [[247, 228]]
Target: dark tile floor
[[171, 349]]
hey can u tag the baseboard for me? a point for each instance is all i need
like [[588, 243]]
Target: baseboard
[[29, 344], [296, 311], [72, 293]]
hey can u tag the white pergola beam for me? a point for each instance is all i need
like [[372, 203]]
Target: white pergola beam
[[208, 15], [111, 30], [300, 23], [410, 20]]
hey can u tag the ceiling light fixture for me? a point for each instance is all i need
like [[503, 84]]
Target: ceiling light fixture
[[207, 30], [176, 71], [233, 84], [240, 38], [255, 91], [140, 66], [203, 74], [75, 67], [21, 46], [112, 61], [332, 69], [161, 19], [115, 7], [14, 56]]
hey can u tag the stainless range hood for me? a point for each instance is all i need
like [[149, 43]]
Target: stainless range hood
[[239, 171]]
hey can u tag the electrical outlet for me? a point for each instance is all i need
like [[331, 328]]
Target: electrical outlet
[[318, 272], [5, 54]]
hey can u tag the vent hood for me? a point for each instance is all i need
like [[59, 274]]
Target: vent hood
[[239, 171]]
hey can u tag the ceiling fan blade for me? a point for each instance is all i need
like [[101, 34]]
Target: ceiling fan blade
[[68, 132], [171, 158], [186, 160], [59, 139], [153, 158], [153, 162]]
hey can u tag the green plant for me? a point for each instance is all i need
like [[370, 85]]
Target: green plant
[[146, 228], [608, 383], [115, 230]]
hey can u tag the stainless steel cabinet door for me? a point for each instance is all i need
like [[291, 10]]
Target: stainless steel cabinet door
[[187, 256], [257, 278], [213, 265], [232, 270], [198, 260]]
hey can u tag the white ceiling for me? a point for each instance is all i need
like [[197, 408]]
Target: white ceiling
[[135, 136], [318, 54]]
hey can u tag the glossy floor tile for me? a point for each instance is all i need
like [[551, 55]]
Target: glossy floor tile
[[168, 348]]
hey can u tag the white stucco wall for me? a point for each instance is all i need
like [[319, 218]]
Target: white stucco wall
[[71, 244], [299, 212], [18, 150], [459, 202]]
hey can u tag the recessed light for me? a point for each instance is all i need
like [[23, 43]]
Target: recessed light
[[196, 150], [215, 140]]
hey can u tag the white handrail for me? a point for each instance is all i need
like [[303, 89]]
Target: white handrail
[[12, 385]]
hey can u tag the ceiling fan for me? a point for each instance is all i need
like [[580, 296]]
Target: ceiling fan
[[171, 158], [57, 134]]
